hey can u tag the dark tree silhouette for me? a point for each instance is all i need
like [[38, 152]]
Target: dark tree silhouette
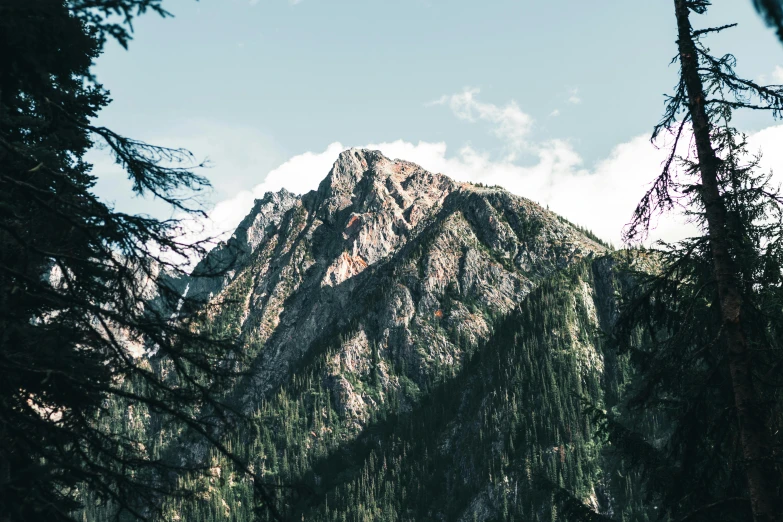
[[772, 12], [91, 317], [752, 414], [718, 295], [696, 433]]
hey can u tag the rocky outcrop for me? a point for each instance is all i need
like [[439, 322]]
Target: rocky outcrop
[[395, 271], [222, 264]]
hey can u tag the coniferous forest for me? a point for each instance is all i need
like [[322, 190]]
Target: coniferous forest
[[394, 345]]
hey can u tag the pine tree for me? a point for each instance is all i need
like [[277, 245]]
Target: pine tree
[[772, 13], [91, 316], [704, 329]]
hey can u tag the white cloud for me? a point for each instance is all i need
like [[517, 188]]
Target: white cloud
[[512, 125], [775, 77], [601, 198], [573, 96], [299, 174], [767, 143]]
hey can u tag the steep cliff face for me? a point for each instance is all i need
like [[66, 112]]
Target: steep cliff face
[[405, 269], [417, 349], [476, 446]]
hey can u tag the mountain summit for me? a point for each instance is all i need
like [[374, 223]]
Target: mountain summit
[[418, 349], [406, 254]]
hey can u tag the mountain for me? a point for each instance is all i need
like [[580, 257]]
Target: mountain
[[409, 262], [418, 350]]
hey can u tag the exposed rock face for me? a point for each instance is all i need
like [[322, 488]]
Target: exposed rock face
[[397, 270], [417, 350], [229, 257]]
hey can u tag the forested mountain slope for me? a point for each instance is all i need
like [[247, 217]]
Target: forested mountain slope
[[419, 351]]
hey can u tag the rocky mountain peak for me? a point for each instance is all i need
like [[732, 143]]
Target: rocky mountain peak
[[268, 210], [439, 334], [386, 258], [375, 202], [367, 181]]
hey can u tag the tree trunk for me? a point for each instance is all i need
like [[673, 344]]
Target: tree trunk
[[753, 418]]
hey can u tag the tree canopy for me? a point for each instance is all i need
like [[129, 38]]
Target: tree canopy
[[772, 13], [703, 329], [91, 316]]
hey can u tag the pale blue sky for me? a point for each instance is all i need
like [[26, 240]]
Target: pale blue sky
[[290, 78]]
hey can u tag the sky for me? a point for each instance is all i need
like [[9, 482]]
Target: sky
[[554, 100]]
